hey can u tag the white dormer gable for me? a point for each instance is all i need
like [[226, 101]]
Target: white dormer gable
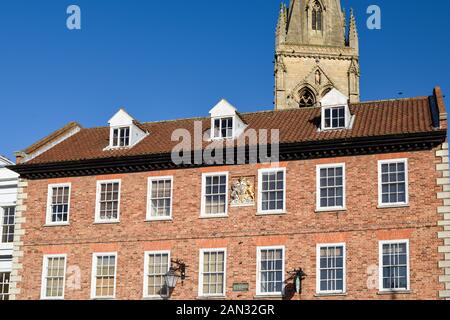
[[334, 98], [124, 131], [335, 111], [225, 121]]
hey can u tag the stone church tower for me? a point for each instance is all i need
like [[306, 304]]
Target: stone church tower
[[315, 51]]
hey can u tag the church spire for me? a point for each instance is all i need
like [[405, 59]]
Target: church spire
[[281, 25], [353, 40]]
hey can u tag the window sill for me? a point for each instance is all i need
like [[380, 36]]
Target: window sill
[[52, 225], [331, 210], [393, 206], [156, 298], [268, 297], [159, 220], [389, 293], [271, 213], [211, 298], [219, 216], [324, 295], [106, 222]]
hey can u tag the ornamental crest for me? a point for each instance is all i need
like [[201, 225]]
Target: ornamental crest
[[243, 191]]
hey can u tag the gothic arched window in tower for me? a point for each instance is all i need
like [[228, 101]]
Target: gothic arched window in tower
[[307, 98], [317, 16]]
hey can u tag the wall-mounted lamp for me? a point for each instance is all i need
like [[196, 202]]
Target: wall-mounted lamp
[[177, 271], [298, 277]]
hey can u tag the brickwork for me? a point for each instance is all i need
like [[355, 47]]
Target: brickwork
[[361, 227]]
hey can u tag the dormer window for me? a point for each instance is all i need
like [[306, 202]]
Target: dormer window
[[335, 113], [223, 128], [225, 122], [121, 137], [125, 132], [334, 118]]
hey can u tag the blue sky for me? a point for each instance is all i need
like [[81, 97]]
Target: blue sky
[[174, 59]]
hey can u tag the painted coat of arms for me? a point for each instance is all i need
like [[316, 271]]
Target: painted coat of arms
[[242, 192]]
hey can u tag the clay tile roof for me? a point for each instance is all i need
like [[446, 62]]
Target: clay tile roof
[[372, 119]]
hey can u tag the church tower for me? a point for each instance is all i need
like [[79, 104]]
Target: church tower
[[315, 52]]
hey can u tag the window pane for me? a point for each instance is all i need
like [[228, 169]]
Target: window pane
[[393, 183], [54, 277], [272, 192], [7, 222], [331, 187], [395, 266], [60, 204], [158, 266], [335, 118], [109, 201], [271, 270], [105, 276], [213, 273], [331, 269], [215, 195], [160, 198]]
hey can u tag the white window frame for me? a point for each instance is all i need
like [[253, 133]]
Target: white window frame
[[111, 136], [258, 271], [200, 273], [6, 245], [344, 268], [95, 255], [205, 215], [213, 131], [149, 216], [380, 184], [44, 276], [145, 288], [380, 267], [260, 180], [48, 219], [97, 202], [347, 117], [344, 191], [4, 295]]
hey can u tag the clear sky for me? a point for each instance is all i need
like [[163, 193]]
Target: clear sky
[[174, 59]]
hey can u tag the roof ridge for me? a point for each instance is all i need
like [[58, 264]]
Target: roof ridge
[[263, 111], [393, 99]]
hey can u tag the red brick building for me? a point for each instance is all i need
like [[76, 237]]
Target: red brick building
[[100, 221], [355, 194]]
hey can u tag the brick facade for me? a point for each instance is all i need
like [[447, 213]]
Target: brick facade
[[361, 227]]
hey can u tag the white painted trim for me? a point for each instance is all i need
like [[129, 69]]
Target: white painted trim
[[203, 195], [45, 272], [200, 272], [149, 216], [213, 133], [380, 189], [48, 216], [380, 265], [10, 245], [95, 255], [348, 118], [145, 282], [344, 285], [97, 202], [111, 137], [344, 182], [271, 212], [258, 270]]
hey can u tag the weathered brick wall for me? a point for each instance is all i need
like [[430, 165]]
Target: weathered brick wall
[[300, 229]]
